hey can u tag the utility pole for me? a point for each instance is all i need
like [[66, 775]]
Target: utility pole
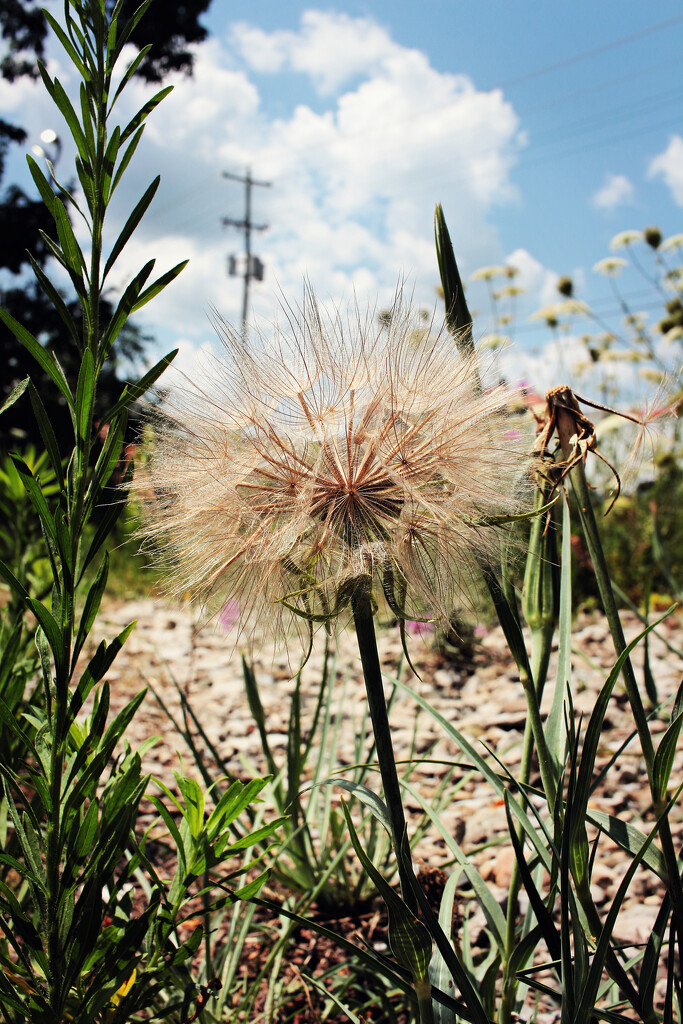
[[254, 267]]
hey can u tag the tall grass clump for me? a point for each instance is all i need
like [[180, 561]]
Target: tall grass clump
[[90, 932]]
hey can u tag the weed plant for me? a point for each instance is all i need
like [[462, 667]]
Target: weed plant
[[90, 931]]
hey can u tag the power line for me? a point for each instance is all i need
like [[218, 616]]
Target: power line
[[592, 52]]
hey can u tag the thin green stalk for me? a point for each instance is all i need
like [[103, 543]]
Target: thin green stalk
[[509, 621], [609, 604], [367, 645], [567, 431], [425, 1006]]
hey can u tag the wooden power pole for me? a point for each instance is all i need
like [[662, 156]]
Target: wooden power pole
[[253, 267]]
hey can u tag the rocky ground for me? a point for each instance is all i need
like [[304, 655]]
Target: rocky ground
[[480, 695]]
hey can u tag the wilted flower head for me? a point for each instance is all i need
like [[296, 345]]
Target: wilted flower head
[[332, 450]]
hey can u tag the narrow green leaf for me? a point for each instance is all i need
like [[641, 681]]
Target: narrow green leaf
[[235, 800], [509, 620], [488, 903], [144, 112], [161, 282], [410, 941], [88, 116], [126, 31], [193, 796], [92, 605], [71, 250], [594, 730], [82, 844], [555, 729], [76, 279], [132, 392], [257, 835], [70, 116], [458, 316], [47, 434], [664, 759], [482, 765], [9, 653], [8, 717], [36, 496], [87, 185], [543, 915], [85, 395], [74, 56], [173, 829], [42, 184], [439, 974], [57, 300], [129, 72], [15, 394], [97, 667], [666, 752], [107, 522], [124, 308], [110, 156], [121, 722], [108, 458], [130, 226], [126, 158], [39, 354], [649, 970], [589, 989]]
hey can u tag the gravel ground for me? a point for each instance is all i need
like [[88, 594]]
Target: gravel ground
[[482, 697]]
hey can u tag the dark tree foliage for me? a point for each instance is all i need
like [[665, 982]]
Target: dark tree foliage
[[24, 31], [170, 28]]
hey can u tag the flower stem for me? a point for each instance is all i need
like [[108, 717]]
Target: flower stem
[[361, 604]]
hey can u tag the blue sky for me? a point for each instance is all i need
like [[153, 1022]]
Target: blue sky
[[544, 129]]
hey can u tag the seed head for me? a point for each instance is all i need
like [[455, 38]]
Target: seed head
[[333, 449]]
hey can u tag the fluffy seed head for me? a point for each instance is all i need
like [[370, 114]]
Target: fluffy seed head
[[335, 448]]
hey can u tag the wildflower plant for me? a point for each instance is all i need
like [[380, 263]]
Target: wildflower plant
[[71, 947], [337, 449], [336, 463]]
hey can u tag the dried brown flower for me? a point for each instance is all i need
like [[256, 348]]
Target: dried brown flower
[[333, 449]]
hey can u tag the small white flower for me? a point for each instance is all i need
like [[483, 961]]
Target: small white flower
[[611, 266], [625, 238]]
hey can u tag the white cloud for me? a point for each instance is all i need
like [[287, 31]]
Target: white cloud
[[330, 47], [539, 283], [616, 191], [354, 182], [559, 361], [669, 165]]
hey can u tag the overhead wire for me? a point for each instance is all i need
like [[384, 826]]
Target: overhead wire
[[174, 201]]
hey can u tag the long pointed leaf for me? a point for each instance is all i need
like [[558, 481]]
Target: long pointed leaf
[[40, 354], [158, 286], [130, 226]]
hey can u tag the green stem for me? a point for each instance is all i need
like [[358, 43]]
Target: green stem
[[367, 645], [590, 528], [541, 645], [509, 621], [609, 604], [423, 990]]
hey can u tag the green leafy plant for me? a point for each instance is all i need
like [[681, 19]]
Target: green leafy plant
[[72, 946]]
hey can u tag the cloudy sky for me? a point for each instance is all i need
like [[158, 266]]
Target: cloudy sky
[[543, 129]]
